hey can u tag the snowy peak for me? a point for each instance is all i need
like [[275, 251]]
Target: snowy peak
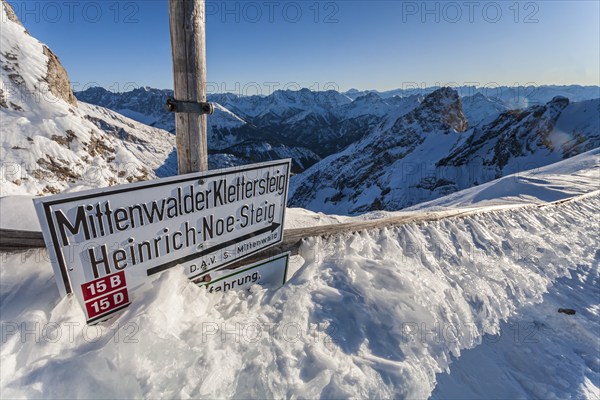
[[333, 98], [49, 142], [365, 104], [10, 13], [439, 112], [370, 97], [327, 99], [442, 108], [146, 102], [30, 69], [480, 109], [368, 104], [362, 177], [287, 103], [559, 102], [146, 105]]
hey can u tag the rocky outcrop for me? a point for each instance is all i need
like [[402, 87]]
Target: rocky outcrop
[[365, 176], [10, 13], [57, 79], [51, 145], [444, 108]]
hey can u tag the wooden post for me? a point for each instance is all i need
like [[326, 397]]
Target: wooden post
[[187, 21]]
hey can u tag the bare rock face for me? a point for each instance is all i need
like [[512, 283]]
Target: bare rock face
[[57, 79], [444, 106], [10, 13]]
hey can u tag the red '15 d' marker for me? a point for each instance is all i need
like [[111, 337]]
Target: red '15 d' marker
[[105, 295]]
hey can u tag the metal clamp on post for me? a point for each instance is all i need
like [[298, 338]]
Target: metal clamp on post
[[189, 107]]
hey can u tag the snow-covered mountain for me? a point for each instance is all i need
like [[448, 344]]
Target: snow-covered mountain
[[51, 142], [480, 109], [147, 105], [239, 137], [314, 124], [310, 124], [64, 139], [302, 125], [430, 152]]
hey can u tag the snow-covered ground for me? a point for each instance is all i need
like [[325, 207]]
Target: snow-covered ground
[[541, 353], [564, 179], [380, 314]]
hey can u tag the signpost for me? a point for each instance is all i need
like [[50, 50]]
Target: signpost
[[105, 243], [187, 21], [271, 272]]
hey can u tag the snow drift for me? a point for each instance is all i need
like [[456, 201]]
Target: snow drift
[[375, 314]]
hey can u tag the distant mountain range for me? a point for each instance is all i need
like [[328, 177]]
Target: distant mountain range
[[513, 97], [305, 125], [365, 151], [352, 152]]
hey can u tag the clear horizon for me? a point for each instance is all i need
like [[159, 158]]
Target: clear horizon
[[258, 47]]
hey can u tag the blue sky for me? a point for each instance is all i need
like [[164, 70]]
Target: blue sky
[[257, 46]]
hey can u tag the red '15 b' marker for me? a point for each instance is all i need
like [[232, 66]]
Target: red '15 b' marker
[[103, 285]]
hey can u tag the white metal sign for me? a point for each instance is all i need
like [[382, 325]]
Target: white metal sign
[[105, 243], [271, 272]]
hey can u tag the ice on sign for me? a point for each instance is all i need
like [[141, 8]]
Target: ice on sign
[[122, 235]]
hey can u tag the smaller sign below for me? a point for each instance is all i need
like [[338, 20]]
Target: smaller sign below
[[271, 272]]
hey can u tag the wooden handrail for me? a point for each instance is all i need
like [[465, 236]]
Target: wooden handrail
[[11, 239]]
